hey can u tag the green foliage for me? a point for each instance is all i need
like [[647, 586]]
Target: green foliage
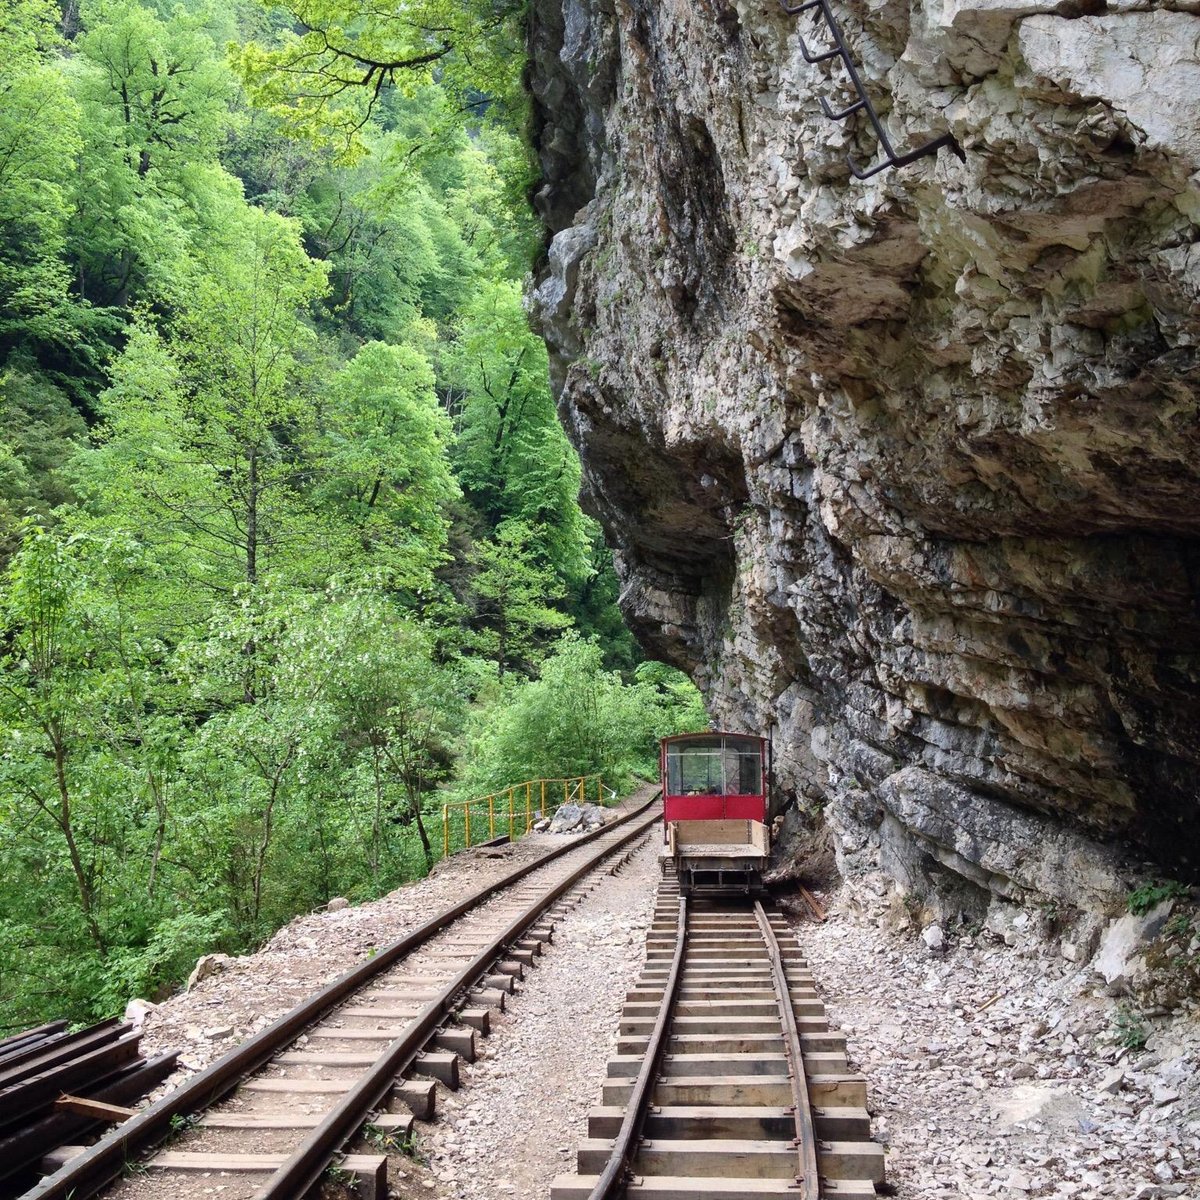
[[283, 494], [1130, 1029], [325, 76], [576, 718], [513, 585], [1142, 899], [39, 433]]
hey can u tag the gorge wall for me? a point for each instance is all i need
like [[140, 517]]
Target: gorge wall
[[908, 469]]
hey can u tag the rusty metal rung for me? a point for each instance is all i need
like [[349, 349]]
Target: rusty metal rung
[[824, 56], [842, 51], [841, 116]]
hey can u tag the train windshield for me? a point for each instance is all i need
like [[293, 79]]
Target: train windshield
[[715, 766]]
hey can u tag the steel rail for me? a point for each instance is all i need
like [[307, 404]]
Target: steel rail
[[85, 1174], [308, 1163], [806, 1144], [620, 1158]]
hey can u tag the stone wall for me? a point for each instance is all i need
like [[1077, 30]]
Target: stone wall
[[907, 469]]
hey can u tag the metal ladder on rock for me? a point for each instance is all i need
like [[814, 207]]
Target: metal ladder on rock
[[863, 102]]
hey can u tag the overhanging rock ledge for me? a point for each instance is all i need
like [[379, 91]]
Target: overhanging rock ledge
[[909, 469]]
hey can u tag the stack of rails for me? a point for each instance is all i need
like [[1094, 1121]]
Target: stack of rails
[[728, 1082], [57, 1087]]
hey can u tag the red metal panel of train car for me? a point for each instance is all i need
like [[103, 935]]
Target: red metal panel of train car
[[711, 776]]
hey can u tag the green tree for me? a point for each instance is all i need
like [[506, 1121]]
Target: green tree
[[402, 708], [384, 461], [39, 141], [576, 718], [202, 434], [154, 96], [512, 587], [512, 456], [40, 431], [338, 60]]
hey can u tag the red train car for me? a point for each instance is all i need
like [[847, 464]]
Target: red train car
[[715, 796]]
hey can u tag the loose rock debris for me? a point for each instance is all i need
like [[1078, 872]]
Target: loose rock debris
[[999, 1070]]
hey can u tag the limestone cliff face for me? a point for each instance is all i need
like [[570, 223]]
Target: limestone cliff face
[[910, 468]]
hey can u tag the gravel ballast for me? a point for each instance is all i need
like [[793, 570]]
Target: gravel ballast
[[523, 1108]]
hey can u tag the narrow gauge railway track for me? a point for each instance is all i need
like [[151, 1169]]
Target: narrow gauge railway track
[[273, 1114], [728, 1083]]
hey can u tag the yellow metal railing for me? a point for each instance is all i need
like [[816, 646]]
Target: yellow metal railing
[[513, 809]]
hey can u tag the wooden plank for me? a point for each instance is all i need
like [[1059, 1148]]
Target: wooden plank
[[440, 1066], [735, 1043], [746, 1043], [395, 1123], [668, 1187], [696, 1121], [729, 832], [308, 1058], [734, 1121], [84, 1107], [803, 1006], [380, 1012], [492, 997], [479, 1019], [458, 1041], [419, 1096], [769, 1090], [184, 1160], [627, 1066], [813, 903], [851, 1160], [298, 1087], [378, 995], [356, 1035], [641, 1026], [840, 1090], [844, 1123], [720, 991], [240, 1120], [369, 1170], [702, 1158]]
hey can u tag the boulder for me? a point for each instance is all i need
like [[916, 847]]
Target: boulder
[[136, 1011], [934, 938], [1124, 942], [593, 816], [568, 817], [206, 966], [337, 904]]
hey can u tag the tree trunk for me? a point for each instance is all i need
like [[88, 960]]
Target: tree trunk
[[252, 519], [87, 898]]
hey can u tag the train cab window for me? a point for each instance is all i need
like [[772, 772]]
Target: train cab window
[[715, 766]]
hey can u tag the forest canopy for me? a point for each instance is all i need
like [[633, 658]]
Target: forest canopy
[[289, 530]]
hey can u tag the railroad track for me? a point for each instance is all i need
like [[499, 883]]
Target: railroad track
[[270, 1118], [728, 1083]]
